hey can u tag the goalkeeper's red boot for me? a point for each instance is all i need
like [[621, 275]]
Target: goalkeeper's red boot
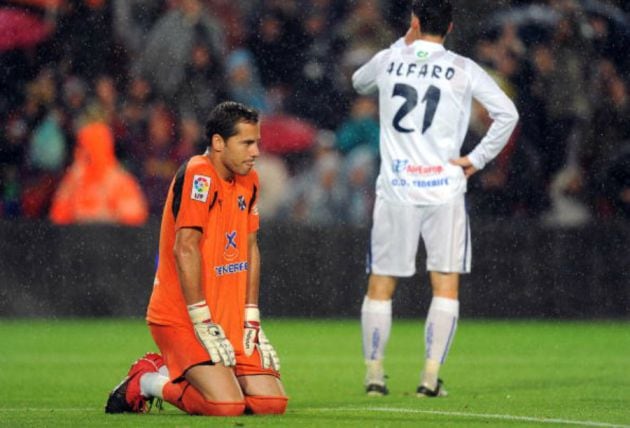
[[126, 396]]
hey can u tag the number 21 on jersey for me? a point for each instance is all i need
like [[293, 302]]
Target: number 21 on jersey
[[410, 94]]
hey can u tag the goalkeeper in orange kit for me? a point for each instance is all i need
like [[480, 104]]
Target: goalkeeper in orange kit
[[203, 314]]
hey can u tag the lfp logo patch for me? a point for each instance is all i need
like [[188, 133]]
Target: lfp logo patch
[[200, 188]]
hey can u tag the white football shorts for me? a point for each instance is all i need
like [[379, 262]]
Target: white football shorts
[[396, 232]]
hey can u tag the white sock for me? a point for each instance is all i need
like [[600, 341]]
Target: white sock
[[376, 324], [151, 384], [374, 373], [439, 331], [164, 371]]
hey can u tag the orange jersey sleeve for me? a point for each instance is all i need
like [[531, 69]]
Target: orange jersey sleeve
[[188, 203], [193, 192]]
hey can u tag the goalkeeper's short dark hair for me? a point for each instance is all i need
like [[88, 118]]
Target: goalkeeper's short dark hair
[[225, 116], [435, 15]]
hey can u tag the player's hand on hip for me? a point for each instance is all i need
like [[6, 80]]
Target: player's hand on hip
[[466, 165], [211, 335], [255, 338]]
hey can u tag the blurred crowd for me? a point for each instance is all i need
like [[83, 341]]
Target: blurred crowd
[[103, 100]]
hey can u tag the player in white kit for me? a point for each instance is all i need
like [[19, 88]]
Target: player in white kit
[[425, 94]]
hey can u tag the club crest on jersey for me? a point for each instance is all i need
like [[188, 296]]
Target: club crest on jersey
[[422, 55], [230, 252], [241, 202], [200, 188]]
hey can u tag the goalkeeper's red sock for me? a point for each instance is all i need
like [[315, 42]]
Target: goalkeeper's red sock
[[185, 397]]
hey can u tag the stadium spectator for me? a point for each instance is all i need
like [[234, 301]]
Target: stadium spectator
[[73, 102], [316, 195], [319, 94], [203, 83], [190, 139], [12, 143], [96, 189], [358, 174], [360, 128], [159, 162], [135, 112], [132, 21], [364, 31], [170, 44], [276, 44], [617, 181], [274, 185], [243, 81], [92, 53], [231, 14], [46, 149], [607, 139], [216, 360]]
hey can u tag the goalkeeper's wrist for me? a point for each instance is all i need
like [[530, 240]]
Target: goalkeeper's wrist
[[252, 313], [199, 312]]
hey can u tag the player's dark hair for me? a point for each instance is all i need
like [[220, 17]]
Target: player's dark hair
[[435, 15], [225, 116]]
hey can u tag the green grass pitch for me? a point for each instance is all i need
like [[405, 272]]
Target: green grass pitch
[[500, 373]]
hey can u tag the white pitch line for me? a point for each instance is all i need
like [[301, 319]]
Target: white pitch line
[[383, 410], [45, 409], [470, 415]]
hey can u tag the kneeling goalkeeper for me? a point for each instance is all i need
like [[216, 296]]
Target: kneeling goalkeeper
[[203, 314]]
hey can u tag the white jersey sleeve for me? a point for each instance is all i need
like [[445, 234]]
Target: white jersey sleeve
[[501, 110], [364, 79]]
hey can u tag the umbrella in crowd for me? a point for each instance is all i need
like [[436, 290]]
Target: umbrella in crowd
[[283, 134], [21, 29]]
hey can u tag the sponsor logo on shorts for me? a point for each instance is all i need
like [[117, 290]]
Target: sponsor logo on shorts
[[200, 188]]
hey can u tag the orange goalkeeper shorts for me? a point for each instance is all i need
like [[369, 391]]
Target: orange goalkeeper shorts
[[181, 350]]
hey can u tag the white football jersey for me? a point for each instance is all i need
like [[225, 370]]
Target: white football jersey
[[425, 96]]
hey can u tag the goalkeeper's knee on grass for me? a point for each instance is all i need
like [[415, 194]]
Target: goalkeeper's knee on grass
[[266, 405], [213, 408], [191, 401]]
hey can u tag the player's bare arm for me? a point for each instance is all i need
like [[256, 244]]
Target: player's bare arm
[[188, 262], [253, 272]]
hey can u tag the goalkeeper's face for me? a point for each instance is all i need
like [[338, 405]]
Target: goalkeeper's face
[[242, 149]]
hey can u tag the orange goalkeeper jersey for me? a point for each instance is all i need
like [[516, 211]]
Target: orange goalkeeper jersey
[[226, 213]]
